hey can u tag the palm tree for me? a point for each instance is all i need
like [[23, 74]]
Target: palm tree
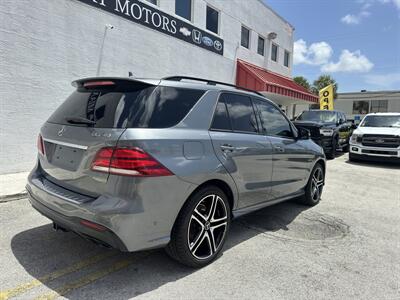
[[323, 81], [300, 80]]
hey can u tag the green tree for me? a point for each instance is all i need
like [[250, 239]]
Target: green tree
[[323, 81], [300, 80]]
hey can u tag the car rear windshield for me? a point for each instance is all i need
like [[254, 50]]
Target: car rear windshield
[[143, 106]]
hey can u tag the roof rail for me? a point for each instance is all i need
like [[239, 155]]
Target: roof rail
[[209, 82]]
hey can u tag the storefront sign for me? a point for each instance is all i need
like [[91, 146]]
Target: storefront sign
[[326, 98], [153, 18]]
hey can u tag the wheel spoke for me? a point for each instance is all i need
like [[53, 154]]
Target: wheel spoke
[[212, 229], [217, 223], [213, 243], [195, 218], [210, 243], [195, 244], [219, 202], [314, 190], [212, 207], [205, 239], [199, 217], [316, 193]]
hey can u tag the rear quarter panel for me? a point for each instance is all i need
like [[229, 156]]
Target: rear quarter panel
[[187, 153]]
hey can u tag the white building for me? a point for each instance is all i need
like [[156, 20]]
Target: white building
[[357, 104], [45, 44]]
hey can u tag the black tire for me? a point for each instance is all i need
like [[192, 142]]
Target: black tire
[[346, 148], [332, 154], [310, 198], [353, 157], [196, 240]]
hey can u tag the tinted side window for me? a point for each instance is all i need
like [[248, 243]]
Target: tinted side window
[[241, 113], [221, 119], [272, 120], [165, 107]]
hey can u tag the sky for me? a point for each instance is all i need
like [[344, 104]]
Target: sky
[[357, 42]]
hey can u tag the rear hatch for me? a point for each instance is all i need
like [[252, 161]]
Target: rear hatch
[[94, 116]]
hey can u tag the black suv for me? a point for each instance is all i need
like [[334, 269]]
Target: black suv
[[328, 128]]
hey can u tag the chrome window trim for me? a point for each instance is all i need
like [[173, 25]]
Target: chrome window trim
[[66, 144]]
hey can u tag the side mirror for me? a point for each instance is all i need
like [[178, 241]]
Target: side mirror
[[303, 134], [353, 126]]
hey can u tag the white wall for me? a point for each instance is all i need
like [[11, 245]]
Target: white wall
[[45, 44], [345, 101]]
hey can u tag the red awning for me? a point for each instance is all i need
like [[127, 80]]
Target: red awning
[[255, 78]]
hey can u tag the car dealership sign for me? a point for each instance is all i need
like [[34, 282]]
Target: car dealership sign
[[153, 18]]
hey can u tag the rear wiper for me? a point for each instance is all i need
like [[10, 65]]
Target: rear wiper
[[79, 120]]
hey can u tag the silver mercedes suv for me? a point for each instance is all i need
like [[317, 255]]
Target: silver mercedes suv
[[137, 164]]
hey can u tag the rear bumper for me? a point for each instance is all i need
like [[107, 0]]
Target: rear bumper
[[107, 237], [138, 215], [364, 152]]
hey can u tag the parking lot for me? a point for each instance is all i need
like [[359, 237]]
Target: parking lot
[[346, 247]]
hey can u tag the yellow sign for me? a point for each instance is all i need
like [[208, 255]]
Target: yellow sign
[[326, 98]]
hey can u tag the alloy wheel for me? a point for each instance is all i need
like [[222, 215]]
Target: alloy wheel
[[207, 227], [317, 183]]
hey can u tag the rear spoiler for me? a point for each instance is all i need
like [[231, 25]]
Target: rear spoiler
[[111, 81]]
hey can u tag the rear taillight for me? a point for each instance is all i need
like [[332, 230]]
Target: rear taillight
[[40, 144], [129, 162], [91, 84], [92, 225]]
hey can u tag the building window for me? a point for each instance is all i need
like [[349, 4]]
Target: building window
[[183, 8], [360, 107], [212, 20], [274, 52], [261, 46], [245, 42], [286, 60], [379, 106], [152, 1]]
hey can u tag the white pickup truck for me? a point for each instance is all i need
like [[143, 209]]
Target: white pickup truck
[[377, 138]]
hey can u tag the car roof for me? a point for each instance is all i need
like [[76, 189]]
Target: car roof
[[207, 87], [192, 83], [337, 111], [180, 81], [384, 114]]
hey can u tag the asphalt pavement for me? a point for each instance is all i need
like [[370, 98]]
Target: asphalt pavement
[[347, 247]]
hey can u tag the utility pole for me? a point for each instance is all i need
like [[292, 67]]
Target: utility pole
[[106, 27]]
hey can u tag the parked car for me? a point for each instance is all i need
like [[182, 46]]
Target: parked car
[[377, 138], [138, 164], [329, 129]]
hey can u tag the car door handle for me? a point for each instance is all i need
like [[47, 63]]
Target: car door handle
[[279, 149], [227, 148]]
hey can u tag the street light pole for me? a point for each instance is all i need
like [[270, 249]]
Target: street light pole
[[106, 27]]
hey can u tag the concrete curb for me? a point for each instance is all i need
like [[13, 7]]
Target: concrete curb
[[9, 198]]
